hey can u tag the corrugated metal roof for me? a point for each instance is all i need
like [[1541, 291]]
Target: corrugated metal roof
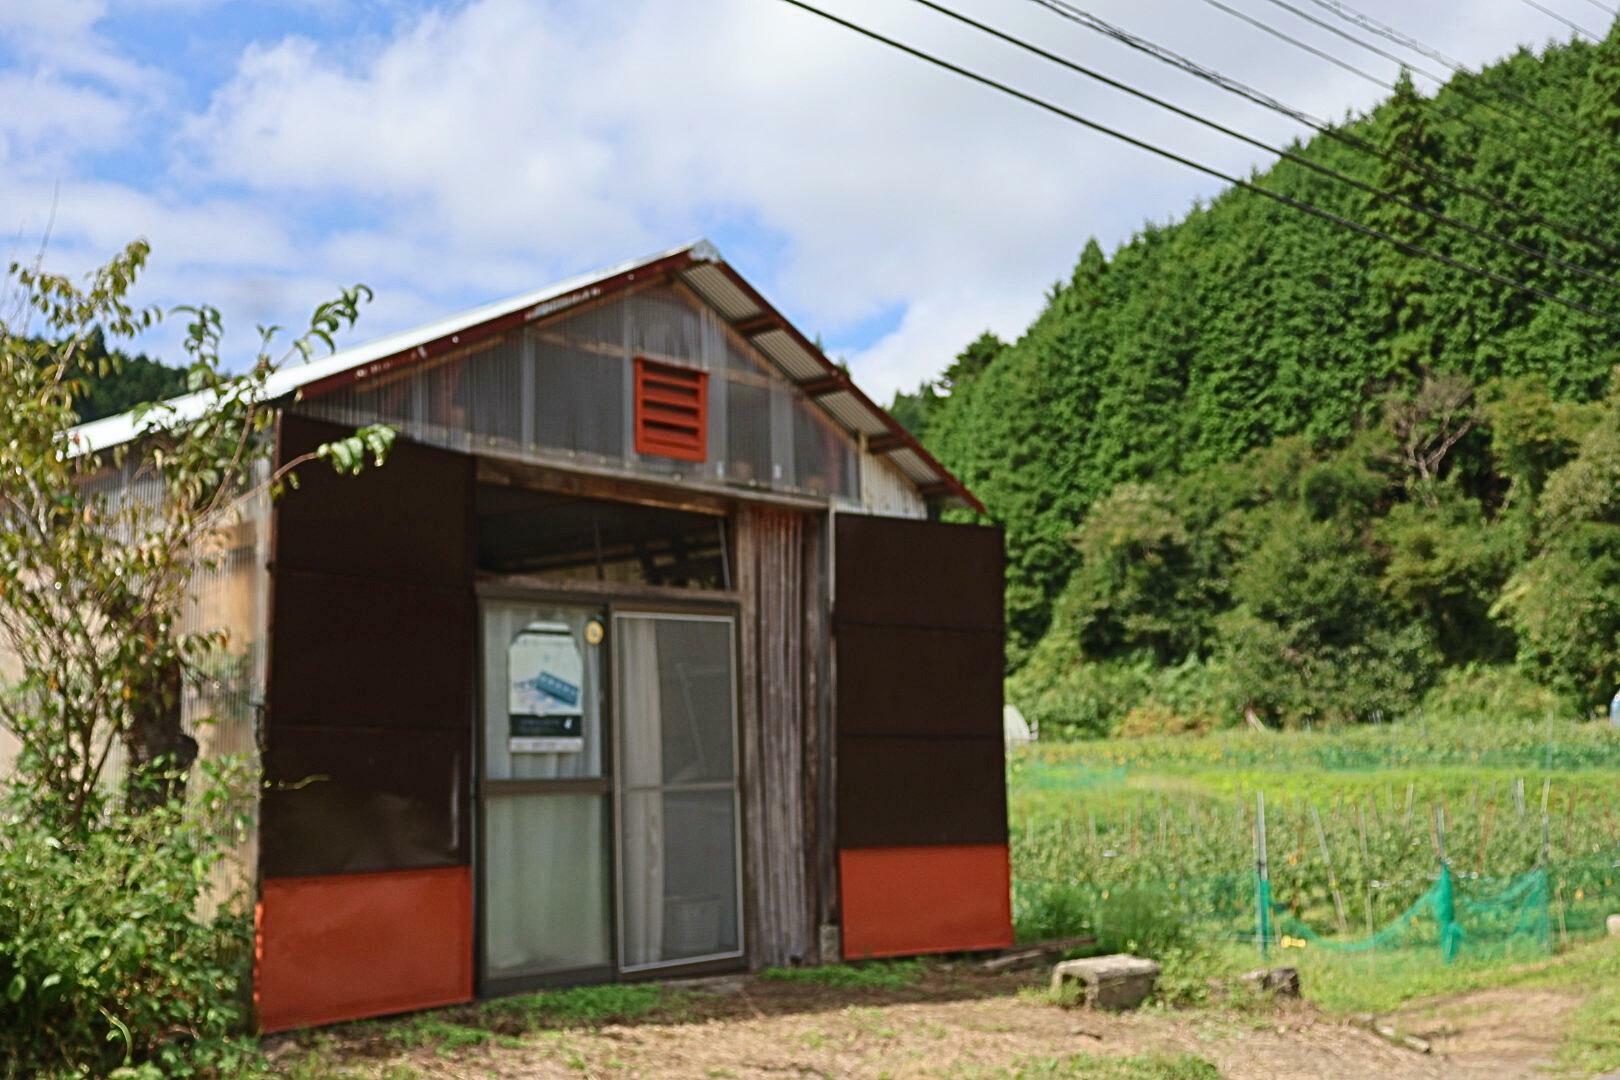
[[794, 360], [848, 410], [721, 292], [699, 264], [912, 464]]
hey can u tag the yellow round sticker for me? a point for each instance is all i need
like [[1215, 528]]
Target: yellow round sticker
[[593, 633]]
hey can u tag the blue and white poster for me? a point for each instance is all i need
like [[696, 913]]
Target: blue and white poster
[[545, 705]]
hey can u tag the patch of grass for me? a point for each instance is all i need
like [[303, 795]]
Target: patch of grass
[[580, 1006], [1592, 1047], [867, 975], [1098, 1067], [432, 1030]]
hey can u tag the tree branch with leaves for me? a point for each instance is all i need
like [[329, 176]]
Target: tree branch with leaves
[[100, 545]]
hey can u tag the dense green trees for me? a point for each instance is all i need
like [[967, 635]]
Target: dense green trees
[[1251, 464]]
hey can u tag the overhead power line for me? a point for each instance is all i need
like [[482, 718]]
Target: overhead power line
[[1287, 155], [1456, 67], [1322, 54], [1068, 11], [1571, 23], [1208, 170], [1605, 8]]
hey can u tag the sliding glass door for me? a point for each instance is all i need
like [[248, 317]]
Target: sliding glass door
[[680, 896], [607, 846]]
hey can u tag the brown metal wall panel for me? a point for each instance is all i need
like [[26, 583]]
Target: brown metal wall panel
[[903, 572], [918, 661], [897, 792], [348, 800], [920, 682], [369, 704], [406, 521], [368, 652]]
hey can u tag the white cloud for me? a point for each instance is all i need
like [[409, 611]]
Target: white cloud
[[487, 146]]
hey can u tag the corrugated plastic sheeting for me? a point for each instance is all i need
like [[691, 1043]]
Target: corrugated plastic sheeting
[[559, 393], [789, 355], [886, 490], [848, 410], [227, 593], [908, 462], [721, 291]]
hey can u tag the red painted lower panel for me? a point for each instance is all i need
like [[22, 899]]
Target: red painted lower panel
[[899, 901], [347, 946]]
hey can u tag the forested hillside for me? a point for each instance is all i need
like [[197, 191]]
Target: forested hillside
[[113, 381], [1254, 464]]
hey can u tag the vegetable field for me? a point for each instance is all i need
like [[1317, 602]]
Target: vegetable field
[[1358, 825]]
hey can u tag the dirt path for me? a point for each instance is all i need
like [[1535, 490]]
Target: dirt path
[[1489, 1033], [959, 1025]]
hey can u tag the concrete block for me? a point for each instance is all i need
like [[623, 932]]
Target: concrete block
[[1109, 982]]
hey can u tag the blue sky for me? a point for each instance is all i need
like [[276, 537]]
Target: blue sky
[[448, 154]]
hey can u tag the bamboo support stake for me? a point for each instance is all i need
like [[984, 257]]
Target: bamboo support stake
[[1333, 877]]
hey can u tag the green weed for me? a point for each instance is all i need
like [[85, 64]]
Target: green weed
[[580, 1006], [868, 975], [1097, 1067]]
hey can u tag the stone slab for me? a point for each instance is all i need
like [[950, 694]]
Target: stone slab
[[1119, 981]]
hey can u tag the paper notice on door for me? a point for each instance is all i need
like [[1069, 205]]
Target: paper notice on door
[[545, 708]]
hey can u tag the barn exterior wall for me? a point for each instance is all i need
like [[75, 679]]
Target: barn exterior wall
[[887, 491], [781, 575], [559, 393]]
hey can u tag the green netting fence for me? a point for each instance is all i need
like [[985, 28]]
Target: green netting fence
[[1507, 918], [1455, 914]]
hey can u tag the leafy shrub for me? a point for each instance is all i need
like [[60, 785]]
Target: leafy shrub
[[1481, 693], [1141, 920], [1078, 700], [1048, 911], [1138, 919], [105, 961], [1154, 717], [1564, 605]]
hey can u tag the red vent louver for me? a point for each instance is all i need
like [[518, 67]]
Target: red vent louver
[[672, 411]]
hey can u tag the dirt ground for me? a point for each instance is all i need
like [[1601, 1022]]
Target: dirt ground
[[961, 1023]]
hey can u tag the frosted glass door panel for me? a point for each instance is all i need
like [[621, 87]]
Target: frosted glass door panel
[[548, 908]]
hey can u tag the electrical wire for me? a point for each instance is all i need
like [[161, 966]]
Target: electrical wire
[[1571, 23], [1208, 170], [1287, 155], [1456, 67], [1605, 8], [1322, 54], [1083, 18]]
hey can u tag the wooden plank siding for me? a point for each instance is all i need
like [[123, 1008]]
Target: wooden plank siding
[[782, 700]]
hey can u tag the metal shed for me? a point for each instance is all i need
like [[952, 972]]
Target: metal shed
[[645, 654]]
